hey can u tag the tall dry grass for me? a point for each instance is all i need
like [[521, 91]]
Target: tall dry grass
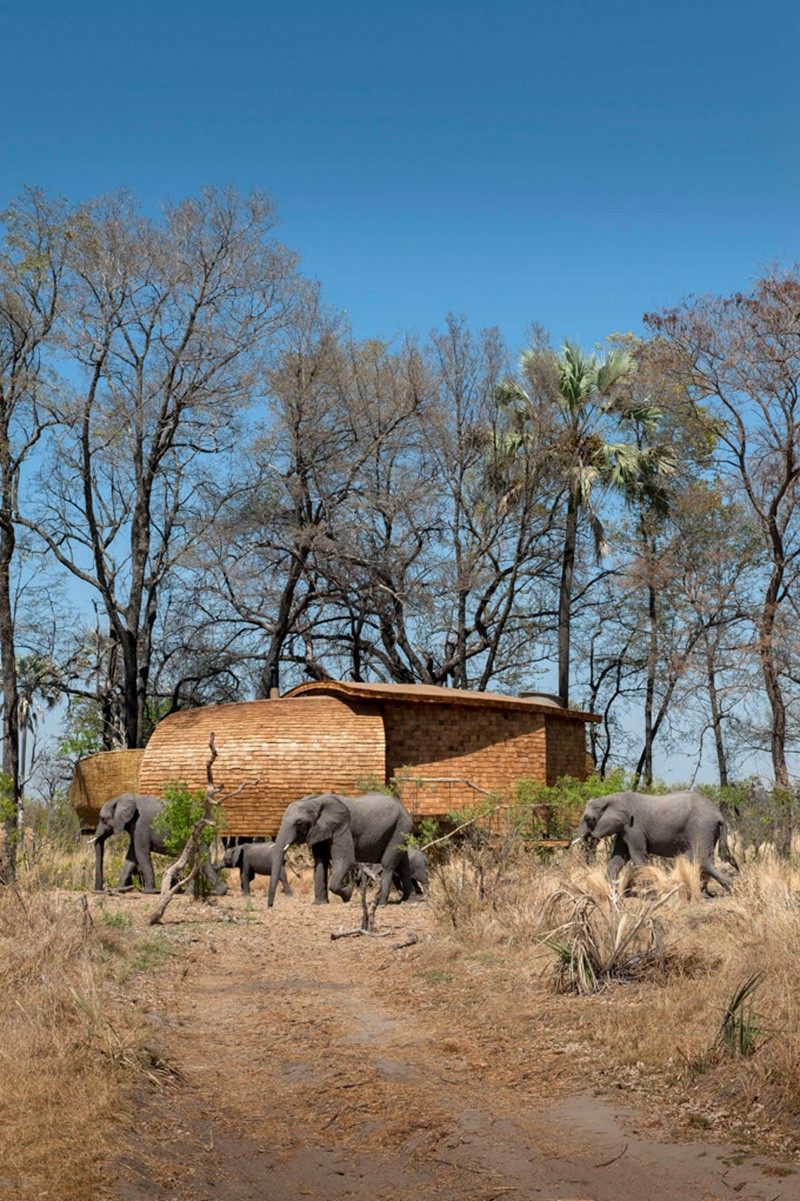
[[659, 1014], [70, 1051]]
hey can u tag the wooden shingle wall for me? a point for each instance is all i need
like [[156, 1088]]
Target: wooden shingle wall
[[98, 778], [566, 749], [491, 747], [292, 747]]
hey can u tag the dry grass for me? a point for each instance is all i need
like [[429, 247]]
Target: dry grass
[[666, 979], [71, 1048]]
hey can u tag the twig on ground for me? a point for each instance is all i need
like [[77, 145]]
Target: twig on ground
[[410, 939], [607, 1162]]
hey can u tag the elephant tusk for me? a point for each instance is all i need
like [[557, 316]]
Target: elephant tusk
[[575, 841]]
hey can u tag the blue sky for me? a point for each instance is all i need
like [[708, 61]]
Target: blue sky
[[568, 163], [573, 164]]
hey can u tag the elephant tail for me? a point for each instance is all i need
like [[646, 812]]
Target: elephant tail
[[724, 846]]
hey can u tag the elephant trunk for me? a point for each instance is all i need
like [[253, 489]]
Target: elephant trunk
[[583, 832]]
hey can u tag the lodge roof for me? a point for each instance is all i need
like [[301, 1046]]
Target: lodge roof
[[431, 694]]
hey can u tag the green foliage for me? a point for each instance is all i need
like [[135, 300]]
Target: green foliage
[[554, 811], [53, 822], [117, 921], [742, 1030], [182, 810], [426, 831], [756, 814], [8, 817], [375, 783], [83, 729]]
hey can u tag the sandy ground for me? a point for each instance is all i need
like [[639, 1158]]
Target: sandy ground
[[332, 1070]]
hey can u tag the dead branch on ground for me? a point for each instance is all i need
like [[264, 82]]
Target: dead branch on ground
[[368, 911]]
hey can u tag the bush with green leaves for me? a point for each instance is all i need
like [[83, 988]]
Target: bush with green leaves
[[554, 810], [183, 809], [758, 815]]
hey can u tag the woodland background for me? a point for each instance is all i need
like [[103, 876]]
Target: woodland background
[[209, 488]]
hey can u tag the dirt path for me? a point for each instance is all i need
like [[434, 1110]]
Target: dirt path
[[330, 1070]]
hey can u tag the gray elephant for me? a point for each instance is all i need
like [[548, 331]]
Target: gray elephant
[[138, 816], [254, 859], [342, 831], [680, 823], [418, 869]]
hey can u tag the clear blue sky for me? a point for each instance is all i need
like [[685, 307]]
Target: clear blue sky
[[569, 163]]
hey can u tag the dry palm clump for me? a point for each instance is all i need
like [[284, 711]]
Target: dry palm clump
[[70, 1048], [674, 990]]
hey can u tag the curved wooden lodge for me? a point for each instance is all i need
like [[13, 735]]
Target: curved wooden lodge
[[442, 747]]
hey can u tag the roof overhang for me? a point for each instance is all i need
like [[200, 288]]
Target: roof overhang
[[422, 694]]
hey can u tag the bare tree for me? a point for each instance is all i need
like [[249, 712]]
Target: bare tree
[[164, 328], [31, 270], [739, 360]]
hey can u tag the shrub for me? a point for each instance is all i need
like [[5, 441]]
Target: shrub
[[554, 811], [603, 939], [183, 809]]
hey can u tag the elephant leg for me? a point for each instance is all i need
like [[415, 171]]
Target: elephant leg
[[340, 871], [402, 873], [637, 851], [130, 867], [246, 874], [145, 861], [619, 857], [284, 879], [218, 885], [321, 860], [707, 868]]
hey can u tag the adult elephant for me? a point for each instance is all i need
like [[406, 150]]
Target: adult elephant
[[679, 823], [341, 832], [137, 815]]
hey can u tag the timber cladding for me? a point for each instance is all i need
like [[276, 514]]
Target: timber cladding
[[446, 757], [279, 750], [98, 778], [443, 748]]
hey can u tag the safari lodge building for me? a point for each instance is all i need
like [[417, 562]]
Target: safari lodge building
[[442, 748]]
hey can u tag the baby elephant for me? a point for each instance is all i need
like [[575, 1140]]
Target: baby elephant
[[418, 870], [254, 859]]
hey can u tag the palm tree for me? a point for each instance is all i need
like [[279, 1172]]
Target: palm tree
[[586, 403], [38, 691]]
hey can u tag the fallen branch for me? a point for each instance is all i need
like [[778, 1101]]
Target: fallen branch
[[367, 927]]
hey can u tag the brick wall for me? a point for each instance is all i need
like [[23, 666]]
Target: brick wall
[[492, 747], [566, 748], [293, 747]]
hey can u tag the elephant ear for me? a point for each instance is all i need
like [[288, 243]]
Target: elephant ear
[[236, 860], [124, 811], [332, 818]]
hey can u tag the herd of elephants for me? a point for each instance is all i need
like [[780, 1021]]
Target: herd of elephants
[[374, 829]]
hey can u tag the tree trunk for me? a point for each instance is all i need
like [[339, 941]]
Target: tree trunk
[[9, 794], [565, 599], [716, 716], [773, 688], [645, 766]]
